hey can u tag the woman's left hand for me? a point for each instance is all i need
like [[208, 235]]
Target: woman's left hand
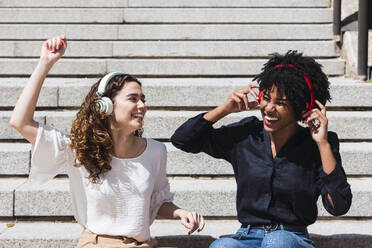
[[318, 123], [191, 220]]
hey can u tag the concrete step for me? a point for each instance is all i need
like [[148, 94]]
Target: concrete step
[[227, 3], [7, 186], [65, 3], [61, 15], [171, 92], [15, 158], [178, 49], [356, 157], [162, 124], [168, 32], [152, 67], [330, 234], [166, 15], [228, 15], [166, 3], [53, 198]]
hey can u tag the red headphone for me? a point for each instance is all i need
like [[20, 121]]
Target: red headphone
[[310, 105]]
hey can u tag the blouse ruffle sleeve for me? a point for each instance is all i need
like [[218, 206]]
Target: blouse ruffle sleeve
[[161, 191], [50, 154]]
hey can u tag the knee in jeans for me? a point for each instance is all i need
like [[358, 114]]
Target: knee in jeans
[[223, 243], [279, 239]]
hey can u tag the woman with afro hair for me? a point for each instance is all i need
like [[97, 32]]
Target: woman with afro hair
[[281, 167], [117, 178]]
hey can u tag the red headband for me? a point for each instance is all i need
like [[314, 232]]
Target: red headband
[[310, 105]]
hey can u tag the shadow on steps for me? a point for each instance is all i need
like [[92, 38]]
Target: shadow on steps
[[342, 241]]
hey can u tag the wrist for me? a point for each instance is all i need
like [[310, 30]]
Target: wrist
[[45, 64], [179, 213], [216, 114], [224, 110], [323, 144]]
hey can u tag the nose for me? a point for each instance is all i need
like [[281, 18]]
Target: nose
[[141, 104], [270, 107]]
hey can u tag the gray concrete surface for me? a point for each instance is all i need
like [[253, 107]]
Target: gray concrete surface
[[176, 49], [168, 32], [166, 3], [7, 187], [154, 67], [356, 157], [162, 124], [172, 92], [211, 197], [14, 158], [165, 15]]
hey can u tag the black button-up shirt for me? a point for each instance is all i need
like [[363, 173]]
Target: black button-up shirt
[[284, 189]]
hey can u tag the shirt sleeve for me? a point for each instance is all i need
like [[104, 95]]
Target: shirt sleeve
[[50, 154], [198, 135], [161, 191], [335, 184]]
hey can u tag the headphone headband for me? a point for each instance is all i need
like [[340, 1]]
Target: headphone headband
[[105, 81]]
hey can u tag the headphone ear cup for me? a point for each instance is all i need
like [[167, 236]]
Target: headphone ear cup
[[105, 105]]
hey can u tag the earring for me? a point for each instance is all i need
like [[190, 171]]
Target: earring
[[139, 132]]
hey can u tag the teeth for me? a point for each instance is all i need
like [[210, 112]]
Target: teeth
[[271, 118], [138, 116]]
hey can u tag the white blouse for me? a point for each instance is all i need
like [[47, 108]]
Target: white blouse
[[129, 196]]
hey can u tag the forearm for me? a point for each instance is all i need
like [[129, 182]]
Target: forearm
[[328, 162], [327, 157], [22, 117], [216, 114], [170, 211], [25, 106]]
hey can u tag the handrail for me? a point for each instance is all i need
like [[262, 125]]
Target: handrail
[[363, 38], [336, 17], [364, 23]]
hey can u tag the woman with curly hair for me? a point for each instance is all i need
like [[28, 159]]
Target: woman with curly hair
[[117, 178], [281, 167]]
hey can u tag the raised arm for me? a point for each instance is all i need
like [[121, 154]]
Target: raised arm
[[237, 102], [198, 135], [335, 189], [22, 118]]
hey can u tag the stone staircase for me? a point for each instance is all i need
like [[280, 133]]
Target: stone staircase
[[189, 54]]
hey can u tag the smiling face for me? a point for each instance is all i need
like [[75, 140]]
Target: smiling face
[[129, 108], [277, 112]]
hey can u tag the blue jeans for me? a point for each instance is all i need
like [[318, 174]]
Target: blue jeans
[[260, 238]]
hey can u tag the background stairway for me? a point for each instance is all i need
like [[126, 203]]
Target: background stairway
[[189, 54]]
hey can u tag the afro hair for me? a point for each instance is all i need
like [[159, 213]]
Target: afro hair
[[290, 81]]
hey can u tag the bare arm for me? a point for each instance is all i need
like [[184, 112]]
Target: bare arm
[[328, 162], [237, 101], [191, 220], [319, 135], [22, 118]]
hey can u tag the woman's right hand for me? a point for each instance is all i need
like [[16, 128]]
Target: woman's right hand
[[53, 49], [238, 100]]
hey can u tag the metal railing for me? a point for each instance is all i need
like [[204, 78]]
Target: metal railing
[[364, 23], [336, 17]]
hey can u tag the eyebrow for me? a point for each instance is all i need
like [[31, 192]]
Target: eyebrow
[[136, 95], [278, 99]]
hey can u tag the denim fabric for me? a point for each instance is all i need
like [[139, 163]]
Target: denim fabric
[[260, 238]]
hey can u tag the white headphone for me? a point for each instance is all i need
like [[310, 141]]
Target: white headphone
[[103, 103]]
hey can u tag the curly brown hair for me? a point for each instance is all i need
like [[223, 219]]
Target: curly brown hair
[[91, 136]]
